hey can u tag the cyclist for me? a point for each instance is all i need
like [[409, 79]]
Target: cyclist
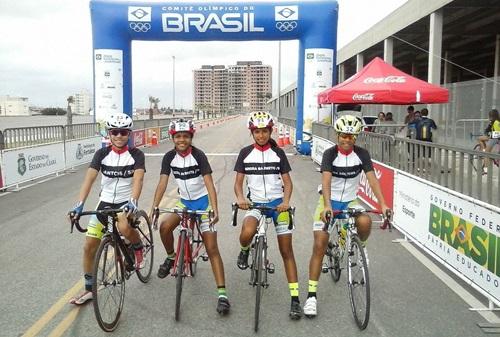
[[193, 174], [492, 136], [341, 168], [122, 172], [267, 171], [492, 116]]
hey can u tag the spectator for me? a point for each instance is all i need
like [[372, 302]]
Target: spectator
[[409, 118], [424, 127], [494, 135], [412, 125], [388, 120], [379, 121]]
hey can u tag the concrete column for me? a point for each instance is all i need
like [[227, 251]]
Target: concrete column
[[388, 50], [496, 74], [447, 69], [341, 72], [359, 62], [435, 45]]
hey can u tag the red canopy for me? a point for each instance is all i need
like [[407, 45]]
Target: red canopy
[[380, 83]]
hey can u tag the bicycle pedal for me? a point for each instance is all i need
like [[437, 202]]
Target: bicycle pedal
[[204, 257], [324, 269]]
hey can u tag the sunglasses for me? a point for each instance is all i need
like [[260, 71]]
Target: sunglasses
[[117, 132], [347, 135]]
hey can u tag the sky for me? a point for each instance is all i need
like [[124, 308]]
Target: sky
[[46, 52]]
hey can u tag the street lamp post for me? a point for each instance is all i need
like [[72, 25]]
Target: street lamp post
[[173, 85]]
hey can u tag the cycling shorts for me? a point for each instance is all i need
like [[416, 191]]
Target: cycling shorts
[[95, 228], [281, 220], [336, 206], [200, 204], [492, 142]]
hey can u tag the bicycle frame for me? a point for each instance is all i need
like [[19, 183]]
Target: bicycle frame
[[261, 232], [187, 225]]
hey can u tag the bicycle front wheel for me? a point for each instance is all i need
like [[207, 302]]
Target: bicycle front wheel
[[477, 162], [143, 225], [180, 274], [358, 283], [108, 285], [259, 277]]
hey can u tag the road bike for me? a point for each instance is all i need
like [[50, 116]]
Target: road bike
[[115, 262], [260, 265], [478, 161], [190, 246], [345, 249]]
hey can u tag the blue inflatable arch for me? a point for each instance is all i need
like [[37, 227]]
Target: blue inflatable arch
[[116, 24]]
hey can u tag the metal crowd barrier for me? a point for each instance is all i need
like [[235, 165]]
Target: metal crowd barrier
[[30, 136], [452, 167]]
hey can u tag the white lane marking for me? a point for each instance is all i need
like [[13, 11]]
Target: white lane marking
[[470, 299], [208, 154]]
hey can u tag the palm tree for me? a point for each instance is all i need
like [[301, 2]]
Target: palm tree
[[69, 116]]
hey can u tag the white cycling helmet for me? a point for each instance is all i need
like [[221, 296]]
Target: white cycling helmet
[[260, 120], [119, 121], [349, 124], [181, 125]]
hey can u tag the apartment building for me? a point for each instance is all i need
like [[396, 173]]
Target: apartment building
[[14, 106], [83, 103], [240, 88]]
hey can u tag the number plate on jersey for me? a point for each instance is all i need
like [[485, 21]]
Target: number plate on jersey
[[495, 134]]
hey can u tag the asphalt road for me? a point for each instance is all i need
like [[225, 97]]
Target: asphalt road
[[41, 267]]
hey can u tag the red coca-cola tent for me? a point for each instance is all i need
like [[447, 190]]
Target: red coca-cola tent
[[380, 83]]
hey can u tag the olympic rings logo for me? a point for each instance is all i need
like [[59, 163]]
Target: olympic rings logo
[[286, 26], [140, 27]]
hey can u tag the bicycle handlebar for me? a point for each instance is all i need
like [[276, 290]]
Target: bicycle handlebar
[[353, 212], [76, 222], [235, 207]]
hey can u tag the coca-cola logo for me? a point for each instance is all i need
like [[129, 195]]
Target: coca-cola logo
[[388, 79], [363, 97]]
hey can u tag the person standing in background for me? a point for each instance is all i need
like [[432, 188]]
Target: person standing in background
[[388, 120], [379, 121]]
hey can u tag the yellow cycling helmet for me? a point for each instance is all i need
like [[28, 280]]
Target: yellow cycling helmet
[[260, 120], [349, 124]]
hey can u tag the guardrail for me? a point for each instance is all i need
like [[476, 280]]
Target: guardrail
[[452, 167]]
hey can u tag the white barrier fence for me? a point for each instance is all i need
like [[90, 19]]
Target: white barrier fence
[[20, 165], [460, 232]]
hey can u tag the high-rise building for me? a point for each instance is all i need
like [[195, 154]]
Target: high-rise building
[[250, 86], [210, 89], [14, 106], [240, 88], [83, 103]]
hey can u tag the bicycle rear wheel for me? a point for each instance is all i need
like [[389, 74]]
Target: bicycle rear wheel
[[477, 162], [108, 285], [358, 283], [180, 274], [143, 225], [259, 276]]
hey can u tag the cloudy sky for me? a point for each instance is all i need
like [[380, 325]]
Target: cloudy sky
[[46, 52]]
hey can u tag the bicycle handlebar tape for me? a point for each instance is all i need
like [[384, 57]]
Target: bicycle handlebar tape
[[235, 213], [291, 212]]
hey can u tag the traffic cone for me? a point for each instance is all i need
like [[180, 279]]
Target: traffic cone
[[281, 139], [154, 139], [287, 138]]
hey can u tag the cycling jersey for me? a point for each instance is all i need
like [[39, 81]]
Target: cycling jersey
[[346, 169], [117, 168], [263, 167], [188, 170]]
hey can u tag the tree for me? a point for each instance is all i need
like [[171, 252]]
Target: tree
[[70, 100]]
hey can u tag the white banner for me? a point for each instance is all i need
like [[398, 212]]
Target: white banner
[[29, 163], [319, 145], [108, 81], [318, 76], [81, 151], [456, 229]]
